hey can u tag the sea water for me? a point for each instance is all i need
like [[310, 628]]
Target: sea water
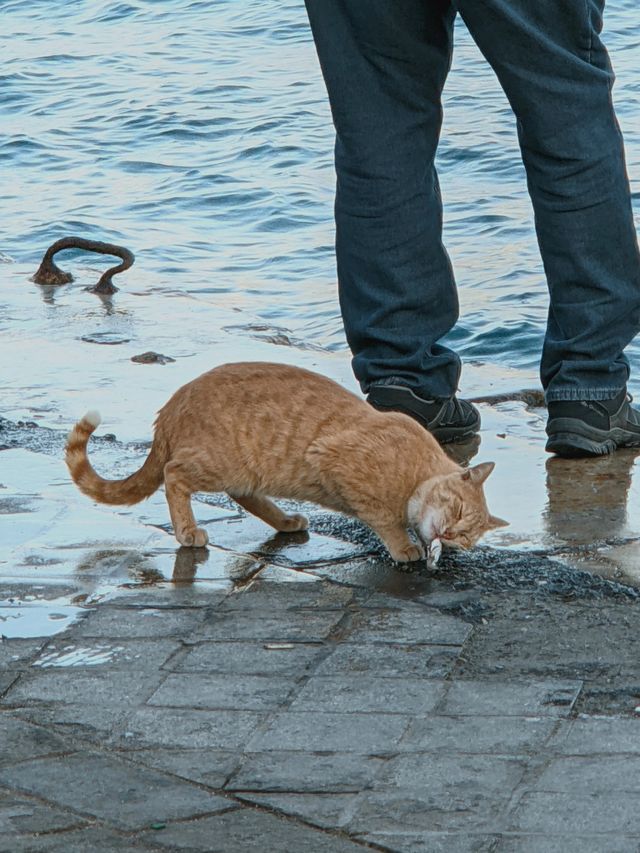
[[198, 135]]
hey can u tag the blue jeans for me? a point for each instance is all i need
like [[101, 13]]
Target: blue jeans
[[385, 63]]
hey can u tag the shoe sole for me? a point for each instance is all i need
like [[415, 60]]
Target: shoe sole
[[572, 438], [446, 435]]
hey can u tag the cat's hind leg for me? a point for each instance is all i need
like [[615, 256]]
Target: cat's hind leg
[[265, 509], [178, 490]]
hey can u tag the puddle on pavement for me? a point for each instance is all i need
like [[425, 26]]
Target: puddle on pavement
[[73, 655], [37, 619], [584, 512], [572, 507], [60, 554]]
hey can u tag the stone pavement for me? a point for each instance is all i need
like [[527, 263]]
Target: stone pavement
[[298, 692], [330, 706]]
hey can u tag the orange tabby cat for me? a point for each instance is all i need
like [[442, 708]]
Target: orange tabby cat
[[256, 430]]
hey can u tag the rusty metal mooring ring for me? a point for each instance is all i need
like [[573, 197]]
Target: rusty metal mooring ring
[[49, 273]]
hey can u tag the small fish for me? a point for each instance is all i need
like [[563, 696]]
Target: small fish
[[434, 552]]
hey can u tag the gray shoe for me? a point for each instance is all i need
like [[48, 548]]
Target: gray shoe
[[592, 427]]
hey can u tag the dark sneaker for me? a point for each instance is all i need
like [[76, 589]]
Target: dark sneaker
[[448, 419], [592, 427]]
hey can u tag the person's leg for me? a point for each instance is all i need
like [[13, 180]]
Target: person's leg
[[384, 65], [556, 73]]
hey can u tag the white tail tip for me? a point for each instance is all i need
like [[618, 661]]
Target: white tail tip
[[93, 417]]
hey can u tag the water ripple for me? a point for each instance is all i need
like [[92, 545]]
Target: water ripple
[[199, 133]]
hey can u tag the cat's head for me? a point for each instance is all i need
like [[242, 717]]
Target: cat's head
[[452, 508]]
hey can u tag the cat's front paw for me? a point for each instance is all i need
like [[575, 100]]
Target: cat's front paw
[[293, 522], [192, 537], [409, 554]]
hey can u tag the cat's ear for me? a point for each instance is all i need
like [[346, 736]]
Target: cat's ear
[[494, 521], [479, 473]]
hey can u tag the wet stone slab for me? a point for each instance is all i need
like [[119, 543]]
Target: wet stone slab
[[411, 624], [589, 640], [97, 840], [368, 733], [187, 595], [612, 560], [367, 693], [303, 626], [327, 810], [477, 735], [576, 813], [15, 654], [252, 692], [190, 729], [249, 831], [392, 661], [18, 592], [91, 723], [597, 736], [272, 596], [126, 654], [20, 815], [294, 575], [108, 687], [564, 630], [25, 518], [305, 771], [563, 843], [6, 680], [434, 774], [421, 791], [432, 842], [151, 796], [495, 698], [591, 775], [120, 623], [374, 572], [21, 740], [210, 767], [256, 658], [621, 696]]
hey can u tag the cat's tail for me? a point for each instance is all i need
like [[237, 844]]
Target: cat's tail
[[132, 489]]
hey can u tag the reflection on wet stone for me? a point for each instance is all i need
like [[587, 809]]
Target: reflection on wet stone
[[187, 562], [587, 499], [250, 535], [463, 452]]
